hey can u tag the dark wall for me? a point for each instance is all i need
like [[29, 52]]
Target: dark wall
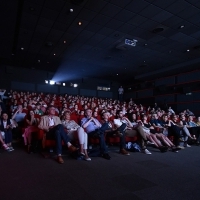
[[25, 79], [181, 91]]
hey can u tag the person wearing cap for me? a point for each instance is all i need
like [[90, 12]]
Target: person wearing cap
[[54, 129]]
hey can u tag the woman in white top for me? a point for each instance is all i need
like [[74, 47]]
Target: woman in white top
[[75, 131]]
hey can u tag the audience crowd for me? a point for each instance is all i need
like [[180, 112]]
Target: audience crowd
[[67, 118]]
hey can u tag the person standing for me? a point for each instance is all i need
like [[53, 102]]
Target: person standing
[[121, 93]]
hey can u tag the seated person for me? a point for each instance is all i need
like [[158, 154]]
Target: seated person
[[198, 121], [174, 129], [159, 136], [132, 130], [186, 127], [32, 127], [6, 126], [75, 131], [94, 127], [18, 117], [54, 129], [194, 129], [118, 130], [157, 123]]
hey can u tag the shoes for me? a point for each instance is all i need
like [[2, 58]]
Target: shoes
[[72, 148], [163, 149], [124, 152], [11, 148], [187, 145], [6, 148], [180, 147], [87, 159], [60, 160], [106, 156], [175, 149], [146, 151], [151, 143]]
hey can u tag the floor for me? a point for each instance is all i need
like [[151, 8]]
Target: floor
[[165, 176]]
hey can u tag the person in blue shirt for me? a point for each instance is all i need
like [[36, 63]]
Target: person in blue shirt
[[93, 127]]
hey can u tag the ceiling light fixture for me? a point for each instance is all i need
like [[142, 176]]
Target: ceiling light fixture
[[79, 23], [188, 50], [54, 54], [63, 84], [46, 81], [182, 26], [64, 41], [75, 85], [117, 74], [71, 10], [22, 48]]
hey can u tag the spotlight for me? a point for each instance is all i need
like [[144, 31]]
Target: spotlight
[[22, 48], [75, 85], [79, 23], [46, 81], [51, 82], [63, 84], [71, 10]]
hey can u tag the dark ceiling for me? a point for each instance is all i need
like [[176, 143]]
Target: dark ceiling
[[52, 39]]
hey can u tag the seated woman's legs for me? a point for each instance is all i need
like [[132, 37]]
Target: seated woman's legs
[[83, 141]]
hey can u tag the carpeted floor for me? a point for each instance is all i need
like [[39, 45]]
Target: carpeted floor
[[165, 176]]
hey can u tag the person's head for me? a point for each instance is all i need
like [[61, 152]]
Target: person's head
[[144, 118], [95, 114], [175, 118], [67, 115], [31, 113], [190, 118], [25, 104], [155, 116], [38, 106], [182, 117], [165, 117], [43, 109], [105, 116], [88, 113], [19, 108], [133, 117], [119, 114], [51, 110], [5, 116]]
